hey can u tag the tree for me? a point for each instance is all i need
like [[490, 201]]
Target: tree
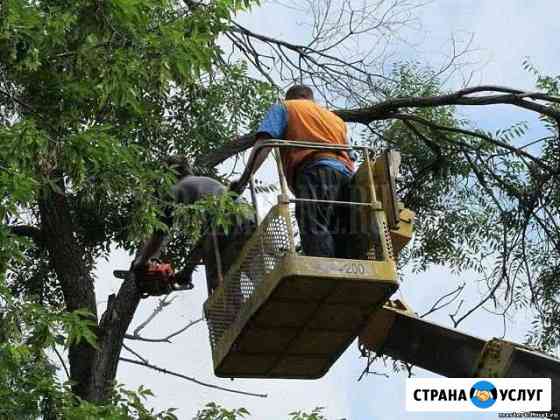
[[99, 101], [95, 96]]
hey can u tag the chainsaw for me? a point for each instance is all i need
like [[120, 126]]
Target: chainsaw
[[156, 278]]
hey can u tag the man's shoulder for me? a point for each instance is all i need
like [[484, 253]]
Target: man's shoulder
[[306, 109], [202, 182], [192, 188], [306, 104]]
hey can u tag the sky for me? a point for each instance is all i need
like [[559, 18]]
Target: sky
[[504, 33]]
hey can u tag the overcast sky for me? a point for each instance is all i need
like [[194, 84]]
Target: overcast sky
[[505, 32]]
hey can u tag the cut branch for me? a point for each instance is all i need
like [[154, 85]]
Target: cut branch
[[31, 232]]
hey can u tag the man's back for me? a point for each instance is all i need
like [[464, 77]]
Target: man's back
[[309, 120], [189, 190], [192, 188], [306, 120]]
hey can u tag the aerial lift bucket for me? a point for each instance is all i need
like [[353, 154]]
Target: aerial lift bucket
[[279, 314]]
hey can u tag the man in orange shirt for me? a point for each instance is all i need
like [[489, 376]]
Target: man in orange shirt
[[311, 173]]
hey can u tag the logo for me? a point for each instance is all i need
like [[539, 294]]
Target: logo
[[502, 395], [483, 394]]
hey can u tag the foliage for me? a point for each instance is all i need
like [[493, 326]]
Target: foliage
[[212, 411], [30, 385], [95, 97], [314, 415], [212, 212], [437, 181], [480, 206], [111, 90], [541, 195]]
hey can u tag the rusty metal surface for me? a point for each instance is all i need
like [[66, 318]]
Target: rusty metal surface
[[494, 360], [526, 363]]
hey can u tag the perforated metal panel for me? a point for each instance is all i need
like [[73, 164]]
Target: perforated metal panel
[[260, 256]]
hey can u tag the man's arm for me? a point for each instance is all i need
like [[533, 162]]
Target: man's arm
[[257, 156], [150, 249], [153, 245], [273, 126]]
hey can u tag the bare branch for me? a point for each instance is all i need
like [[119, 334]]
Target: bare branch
[[163, 303], [237, 145], [135, 353], [166, 339], [384, 109], [482, 136], [453, 295], [389, 109], [191, 379], [182, 330], [304, 51], [62, 362]]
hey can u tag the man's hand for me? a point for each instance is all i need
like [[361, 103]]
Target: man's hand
[[256, 159], [138, 265], [237, 186]]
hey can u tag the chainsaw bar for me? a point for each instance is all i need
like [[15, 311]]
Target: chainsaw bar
[[121, 274], [125, 275]]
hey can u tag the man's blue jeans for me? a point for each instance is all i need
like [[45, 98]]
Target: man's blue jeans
[[323, 227]]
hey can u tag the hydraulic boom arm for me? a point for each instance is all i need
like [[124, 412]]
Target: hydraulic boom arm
[[397, 332]]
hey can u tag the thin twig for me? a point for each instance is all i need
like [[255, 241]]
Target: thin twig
[[135, 353], [166, 339], [455, 293], [163, 302], [62, 362]]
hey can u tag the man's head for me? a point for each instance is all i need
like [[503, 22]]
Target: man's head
[[180, 165], [299, 92]]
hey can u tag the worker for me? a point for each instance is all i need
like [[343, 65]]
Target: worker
[[188, 190], [310, 173]]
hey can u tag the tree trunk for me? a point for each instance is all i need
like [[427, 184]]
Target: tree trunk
[[73, 270], [112, 328]]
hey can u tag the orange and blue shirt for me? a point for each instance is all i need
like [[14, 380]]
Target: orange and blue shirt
[[304, 120]]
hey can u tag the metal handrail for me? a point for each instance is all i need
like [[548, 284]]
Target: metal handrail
[[301, 145], [279, 143]]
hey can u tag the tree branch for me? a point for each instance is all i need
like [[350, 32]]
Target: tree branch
[[384, 109], [62, 362], [454, 294], [237, 145], [166, 339], [389, 109], [112, 328], [190, 379], [163, 303], [488, 139], [130, 350], [26, 231]]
